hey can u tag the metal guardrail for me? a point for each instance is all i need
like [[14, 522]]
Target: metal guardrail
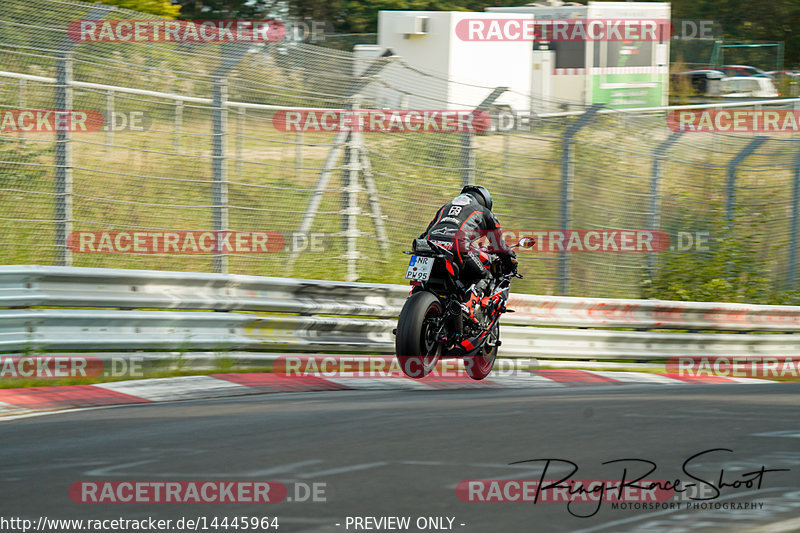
[[47, 286], [104, 310]]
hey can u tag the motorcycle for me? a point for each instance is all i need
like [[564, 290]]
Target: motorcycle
[[438, 322]]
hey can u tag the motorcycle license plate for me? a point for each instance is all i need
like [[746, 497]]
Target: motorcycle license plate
[[419, 268]]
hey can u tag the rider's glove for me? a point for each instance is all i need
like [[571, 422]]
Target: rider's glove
[[510, 262]]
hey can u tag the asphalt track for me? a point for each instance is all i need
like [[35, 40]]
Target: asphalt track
[[402, 453]]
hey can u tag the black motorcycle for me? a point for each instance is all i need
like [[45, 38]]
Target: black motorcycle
[[441, 320]]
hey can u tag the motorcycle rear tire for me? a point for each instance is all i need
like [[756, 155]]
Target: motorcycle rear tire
[[416, 347]]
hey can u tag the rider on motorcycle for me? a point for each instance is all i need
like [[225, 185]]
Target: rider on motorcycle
[[462, 221]]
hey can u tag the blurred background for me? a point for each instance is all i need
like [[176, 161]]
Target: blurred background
[[212, 159]]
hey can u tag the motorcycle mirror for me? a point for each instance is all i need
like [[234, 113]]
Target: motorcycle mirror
[[527, 242]]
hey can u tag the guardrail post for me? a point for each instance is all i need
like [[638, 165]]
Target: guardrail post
[[567, 174], [751, 147], [791, 278], [218, 164], [654, 222], [63, 156], [467, 154]]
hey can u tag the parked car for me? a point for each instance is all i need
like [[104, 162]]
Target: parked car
[[741, 70], [779, 74], [787, 82], [704, 81], [747, 86]]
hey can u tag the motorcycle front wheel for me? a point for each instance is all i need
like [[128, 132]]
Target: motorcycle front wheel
[[417, 346]]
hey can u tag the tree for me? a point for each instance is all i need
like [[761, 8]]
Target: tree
[[764, 20], [228, 9], [162, 8], [361, 16]]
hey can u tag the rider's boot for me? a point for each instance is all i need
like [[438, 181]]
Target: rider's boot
[[482, 288], [475, 299]]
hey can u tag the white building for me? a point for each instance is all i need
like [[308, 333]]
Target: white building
[[426, 41], [463, 47]]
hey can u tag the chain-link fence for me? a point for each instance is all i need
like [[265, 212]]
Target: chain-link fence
[[195, 149]]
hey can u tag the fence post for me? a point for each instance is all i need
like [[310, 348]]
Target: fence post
[[22, 101], [567, 174], [751, 147], [467, 154], [178, 124], [791, 281], [219, 185], [467, 159], [506, 153], [235, 52], [240, 118], [109, 120], [63, 155], [298, 158], [654, 222]]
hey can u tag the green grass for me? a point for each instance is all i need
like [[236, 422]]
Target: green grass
[[142, 183]]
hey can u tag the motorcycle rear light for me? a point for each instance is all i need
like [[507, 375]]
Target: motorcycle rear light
[[416, 283]]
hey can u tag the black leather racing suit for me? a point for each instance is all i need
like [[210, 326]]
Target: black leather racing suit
[[462, 221]]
